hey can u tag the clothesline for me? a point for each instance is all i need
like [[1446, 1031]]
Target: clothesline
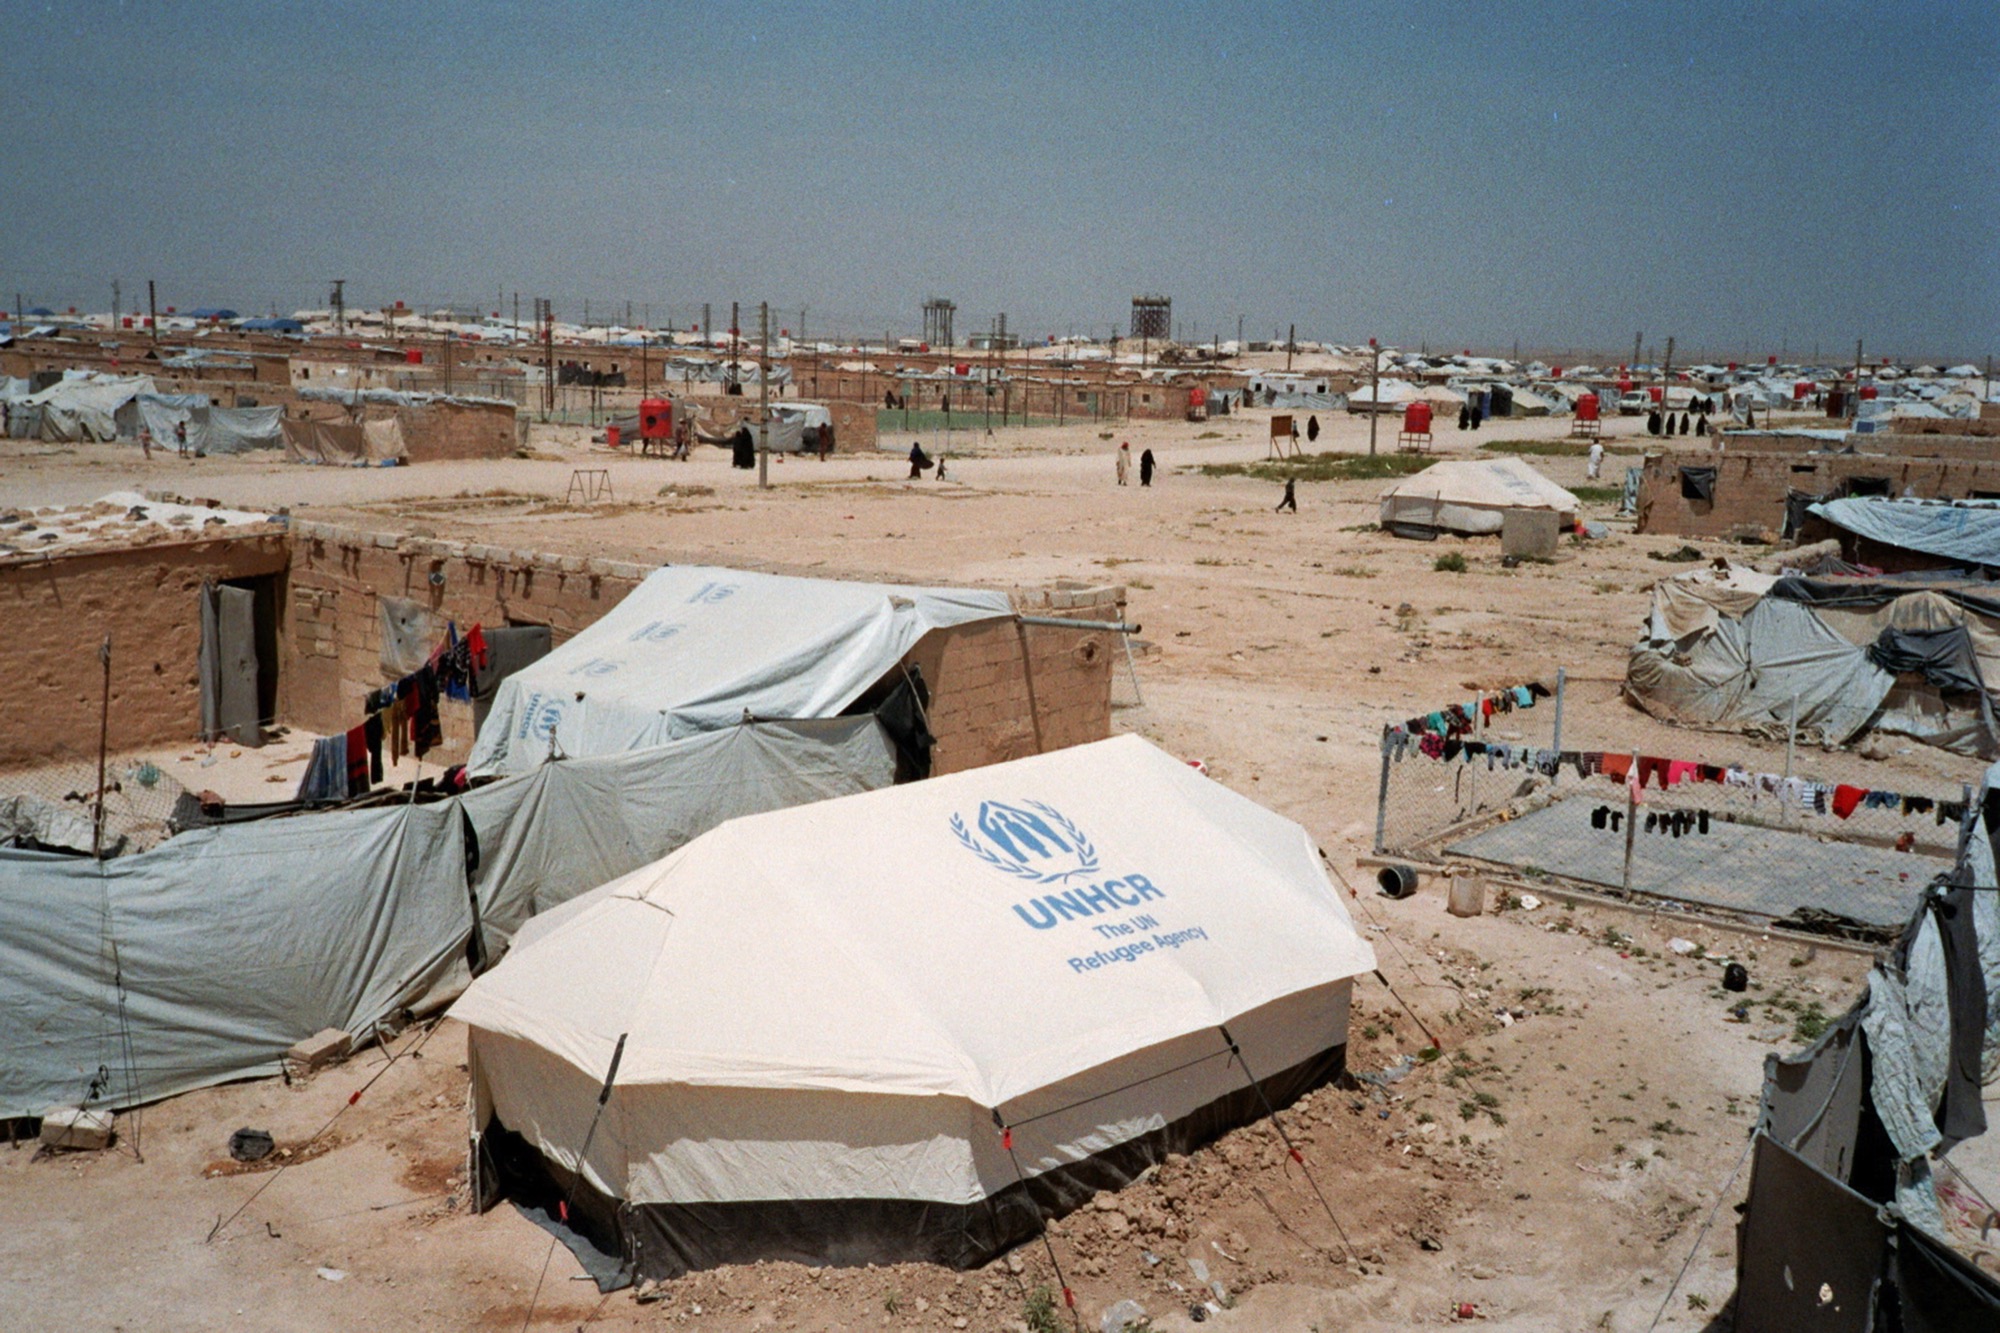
[[404, 714], [1457, 719], [1642, 771]]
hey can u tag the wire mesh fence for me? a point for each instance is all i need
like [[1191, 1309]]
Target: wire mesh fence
[[53, 806], [1818, 839]]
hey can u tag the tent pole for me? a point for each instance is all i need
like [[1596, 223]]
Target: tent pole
[[1556, 743], [1028, 675], [103, 741], [1631, 818]]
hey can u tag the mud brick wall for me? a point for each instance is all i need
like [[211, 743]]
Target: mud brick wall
[[983, 677], [437, 432], [57, 611], [1750, 488], [333, 630]]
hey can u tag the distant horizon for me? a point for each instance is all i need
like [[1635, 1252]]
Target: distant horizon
[[1750, 180]]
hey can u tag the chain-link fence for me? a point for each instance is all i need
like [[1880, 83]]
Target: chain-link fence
[[53, 806], [1828, 840]]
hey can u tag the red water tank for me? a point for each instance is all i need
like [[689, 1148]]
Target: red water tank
[[413, 355], [1653, 392], [1197, 397], [1586, 407], [1801, 389], [962, 368], [656, 419], [127, 321], [613, 436], [1417, 418], [1868, 391], [1624, 386]]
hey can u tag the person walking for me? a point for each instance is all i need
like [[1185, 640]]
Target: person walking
[[1312, 430], [1146, 468], [1596, 463], [181, 437], [1124, 462], [918, 460], [1291, 500], [146, 443]]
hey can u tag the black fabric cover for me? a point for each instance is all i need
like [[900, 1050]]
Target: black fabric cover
[[1698, 483], [902, 716], [1933, 1289], [1802, 1231], [1812, 1101], [668, 1240], [507, 651], [1960, 1115], [1943, 657]]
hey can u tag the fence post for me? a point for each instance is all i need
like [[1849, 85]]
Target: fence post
[[1631, 818], [1557, 743], [1382, 794]]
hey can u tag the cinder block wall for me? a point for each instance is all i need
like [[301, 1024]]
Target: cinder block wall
[[334, 627], [57, 612], [980, 690], [995, 683], [1750, 488]]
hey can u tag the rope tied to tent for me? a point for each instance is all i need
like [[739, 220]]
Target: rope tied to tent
[[353, 1098], [576, 1177], [1021, 1178], [1292, 1149]]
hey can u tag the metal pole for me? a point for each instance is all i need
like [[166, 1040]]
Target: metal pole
[[1556, 743], [1382, 794], [764, 398], [103, 743], [1631, 818], [153, 317], [1374, 393], [1791, 734]]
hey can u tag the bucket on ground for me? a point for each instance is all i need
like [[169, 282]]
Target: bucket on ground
[[1467, 897], [1397, 881]]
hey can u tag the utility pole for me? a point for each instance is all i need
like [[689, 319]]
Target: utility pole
[[1637, 338], [517, 317], [1239, 335], [733, 371], [1374, 392], [1291, 339], [1667, 373], [153, 312], [117, 303], [340, 305], [764, 399], [1854, 409]]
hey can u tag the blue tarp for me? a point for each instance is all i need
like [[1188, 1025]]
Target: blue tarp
[[1965, 532], [272, 326], [206, 312]]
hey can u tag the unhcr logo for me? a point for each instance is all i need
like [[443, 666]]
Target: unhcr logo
[[1030, 841]]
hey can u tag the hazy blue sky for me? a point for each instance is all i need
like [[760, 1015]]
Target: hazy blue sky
[[1742, 175]]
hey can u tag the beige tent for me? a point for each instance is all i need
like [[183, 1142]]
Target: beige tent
[[1471, 496], [905, 1025]]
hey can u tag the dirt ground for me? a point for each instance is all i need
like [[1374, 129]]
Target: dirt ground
[[1551, 1170]]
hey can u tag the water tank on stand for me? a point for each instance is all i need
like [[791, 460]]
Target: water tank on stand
[[1586, 407], [656, 419]]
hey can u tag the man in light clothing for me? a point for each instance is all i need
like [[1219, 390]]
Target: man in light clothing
[[1596, 464]]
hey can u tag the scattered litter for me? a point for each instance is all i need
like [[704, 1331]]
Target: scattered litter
[[332, 1275], [1529, 902], [1152, 1260], [1216, 1245], [251, 1145], [1394, 1073], [1122, 1315], [1198, 1313], [1681, 946], [1199, 1269], [1506, 1019]]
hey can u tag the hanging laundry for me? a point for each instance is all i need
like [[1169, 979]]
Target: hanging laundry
[[1651, 767], [355, 753], [325, 778], [1680, 770]]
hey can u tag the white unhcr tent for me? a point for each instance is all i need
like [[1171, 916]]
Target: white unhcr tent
[[904, 1025], [1472, 496], [696, 648]]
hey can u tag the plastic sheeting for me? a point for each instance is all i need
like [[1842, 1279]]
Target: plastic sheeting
[[238, 940], [1473, 496], [695, 648], [85, 407], [1968, 533], [344, 442]]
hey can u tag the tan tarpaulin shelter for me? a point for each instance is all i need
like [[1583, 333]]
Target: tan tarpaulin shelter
[[1472, 495], [345, 442], [903, 1025]]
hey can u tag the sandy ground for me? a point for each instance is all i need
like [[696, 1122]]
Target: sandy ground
[[1552, 1170]]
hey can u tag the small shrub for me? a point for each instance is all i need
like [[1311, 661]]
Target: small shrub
[[1451, 562], [1038, 1312]]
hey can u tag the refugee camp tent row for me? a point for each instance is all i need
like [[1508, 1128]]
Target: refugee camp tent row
[[1732, 649], [908, 1025], [694, 647], [1844, 1227], [131, 979]]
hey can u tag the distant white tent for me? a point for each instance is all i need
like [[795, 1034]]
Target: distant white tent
[[696, 648], [906, 1025], [1472, 496]]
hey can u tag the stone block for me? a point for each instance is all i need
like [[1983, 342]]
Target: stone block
[[319, 1050], [67, 1128], [1529, 532]]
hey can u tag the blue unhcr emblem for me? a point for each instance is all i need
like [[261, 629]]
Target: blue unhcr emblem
[[1030, 841]]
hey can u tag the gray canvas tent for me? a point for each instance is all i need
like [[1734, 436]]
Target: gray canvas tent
[[1844, 1227], [1730, 649], [694, 648], [1962, 532], [127, 980]]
